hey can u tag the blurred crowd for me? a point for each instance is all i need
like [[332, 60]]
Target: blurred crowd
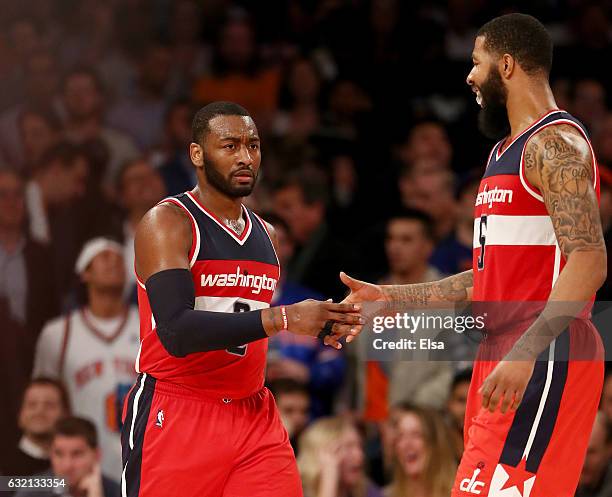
[[371, 162]]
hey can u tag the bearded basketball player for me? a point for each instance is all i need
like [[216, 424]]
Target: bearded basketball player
[[538, 238], [198, 421]]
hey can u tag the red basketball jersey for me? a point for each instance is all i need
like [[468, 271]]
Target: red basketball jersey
[[516, 257], [230, 273]]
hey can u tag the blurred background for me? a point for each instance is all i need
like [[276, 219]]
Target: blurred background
[[371, 162]]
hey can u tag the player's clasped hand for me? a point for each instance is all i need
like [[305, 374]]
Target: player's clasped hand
[[309, 317], [506, 383]]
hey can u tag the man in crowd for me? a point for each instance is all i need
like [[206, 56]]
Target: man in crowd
[[596, 477], [293, 401], [301, 200], [44, 402], [93, 349], [139, 187], [83, 99], [27, 299], [75, 462], [409, 242]]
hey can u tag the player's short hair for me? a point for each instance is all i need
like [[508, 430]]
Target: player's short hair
[[424, 219], [50, 382], [287, 385], [201, 120], [523, 37], [73, 426]]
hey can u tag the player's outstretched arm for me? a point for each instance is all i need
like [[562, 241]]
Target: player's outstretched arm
[[558, 162], [456, 288], [162, 244]]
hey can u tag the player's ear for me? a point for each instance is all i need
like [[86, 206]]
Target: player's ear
[[196, 154], [506, 65]]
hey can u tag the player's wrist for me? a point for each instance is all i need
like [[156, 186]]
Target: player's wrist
[[274, 320]]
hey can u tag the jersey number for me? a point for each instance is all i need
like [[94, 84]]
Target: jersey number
[[482, 236], [239, 349]]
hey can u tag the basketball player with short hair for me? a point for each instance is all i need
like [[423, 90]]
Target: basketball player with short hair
[[538, 238], [198, 421]]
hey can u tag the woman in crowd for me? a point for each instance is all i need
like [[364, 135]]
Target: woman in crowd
[[332, 461], [423, 460]]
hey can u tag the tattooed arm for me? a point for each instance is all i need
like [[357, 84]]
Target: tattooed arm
[[558, 162], [456, 288]]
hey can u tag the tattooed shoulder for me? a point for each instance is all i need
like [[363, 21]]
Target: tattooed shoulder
[[558, 162]]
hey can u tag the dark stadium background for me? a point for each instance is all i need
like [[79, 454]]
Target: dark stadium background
[[364, 115]]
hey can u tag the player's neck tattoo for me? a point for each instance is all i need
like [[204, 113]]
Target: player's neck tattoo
[[236, 225]]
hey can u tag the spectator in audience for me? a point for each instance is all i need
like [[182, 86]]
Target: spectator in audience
[[41, 82], [302, 359], [176, 168], [596, 476], [93, 349], [602, 141], [589, 103], [408, 246], [287, 291], [455, 408], [454, 254], [139, 187], [238, 74], [75, 458], [40, 129], [299, 116], [332, 462], [606, 395], [191, 56], [424, 462], [44, 402], [427, 141], [141, 115], [27, 289], [426, 186], [59, 178], [300, 200], [293, 401], [83, 99], [57, 186]]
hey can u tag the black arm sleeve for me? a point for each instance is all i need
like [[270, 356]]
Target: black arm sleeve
[[183, 330]]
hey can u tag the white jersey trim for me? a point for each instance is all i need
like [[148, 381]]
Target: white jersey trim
[[499, 156], [237, 239], [135, 408], [226, 304], [196, 229], [516, 230]]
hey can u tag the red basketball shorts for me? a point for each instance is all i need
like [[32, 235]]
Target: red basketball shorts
[[539, 449], [177, 442]]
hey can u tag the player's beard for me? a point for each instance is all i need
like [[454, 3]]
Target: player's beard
[[223, 184], [493, 117]]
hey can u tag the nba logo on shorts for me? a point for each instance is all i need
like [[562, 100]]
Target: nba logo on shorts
[[160, 418]]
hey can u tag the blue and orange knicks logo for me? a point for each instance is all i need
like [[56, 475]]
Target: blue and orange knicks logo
[[160, 418]]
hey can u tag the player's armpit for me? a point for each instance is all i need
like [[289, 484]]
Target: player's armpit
[[162, 241], [558, 162]]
